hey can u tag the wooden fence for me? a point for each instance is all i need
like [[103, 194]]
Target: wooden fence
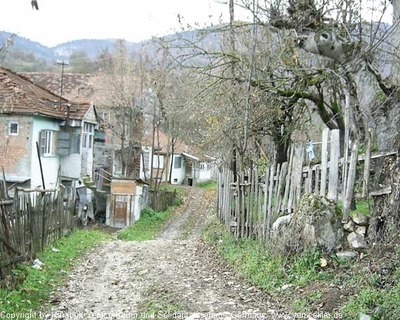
[[250, 202], [160, 200], [29, 222]]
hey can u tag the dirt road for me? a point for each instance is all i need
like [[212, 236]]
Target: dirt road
[[175, 276]]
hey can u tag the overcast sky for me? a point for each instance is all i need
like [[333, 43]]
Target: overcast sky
[[60, 21]]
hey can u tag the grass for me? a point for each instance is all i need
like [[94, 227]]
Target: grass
[[375, 297], [36, 285], [362, 206], [147, 227], [160, 303], [257, 263], [373, 293], [207, 185], [151, 222]]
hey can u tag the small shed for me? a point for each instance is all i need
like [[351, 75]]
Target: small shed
[[126, 201]]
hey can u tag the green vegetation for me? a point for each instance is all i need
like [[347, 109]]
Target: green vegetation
[[256, 261], [151, 222], [159, 303], [378, 295], [362, 289], [207, 185], [147, 227], [362, 206], [35, 285]]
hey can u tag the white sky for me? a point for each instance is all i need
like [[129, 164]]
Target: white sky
[[60, 21]]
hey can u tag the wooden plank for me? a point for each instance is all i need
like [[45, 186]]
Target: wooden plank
[[381, 154], [250, 204], [230, 195], [286, 195], [270, 190], [35, 190], [308, 180], [334, 165], [367, 163], [316, 183], [347, 112], [295, 178], [265, 206], [242, 197], [277, 177], [349, 189], [6, 202], [281, 181], [8, 245], [324, 161], [381, 191], [237, 209], [298, 175]]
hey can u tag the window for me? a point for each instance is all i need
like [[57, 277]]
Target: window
[[177, 162], [204, 166], [75, 143], [146, 161], [13, 128], [87, 138], [158, 161], [47, 143]]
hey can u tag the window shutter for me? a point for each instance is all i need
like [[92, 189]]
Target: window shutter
[[63, 143], [42, 142]]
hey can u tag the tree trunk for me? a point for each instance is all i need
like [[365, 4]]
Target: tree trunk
[[281, 150], [395, 69]]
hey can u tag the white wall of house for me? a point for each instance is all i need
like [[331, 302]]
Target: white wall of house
[[87, 161], [139, 204], [76, 165], [178, 166], [70, 165], [50, 160], [204, 172], [178, 169]]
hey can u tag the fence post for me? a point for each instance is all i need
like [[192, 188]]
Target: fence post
[[324, 161], [349, 186], [334, 165], [367, 164]]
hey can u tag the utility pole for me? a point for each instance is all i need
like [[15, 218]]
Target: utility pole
[[63, 64], [152, 139]]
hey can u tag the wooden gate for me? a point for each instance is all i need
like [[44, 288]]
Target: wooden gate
[[121, 213]]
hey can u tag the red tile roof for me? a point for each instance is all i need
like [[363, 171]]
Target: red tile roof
[[18, 95], [75, 85], [161, 140]]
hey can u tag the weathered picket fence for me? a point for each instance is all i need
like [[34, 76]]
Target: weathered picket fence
[[30, 221], [250, 202]]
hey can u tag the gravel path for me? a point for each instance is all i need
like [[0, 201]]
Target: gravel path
[[176, 274]]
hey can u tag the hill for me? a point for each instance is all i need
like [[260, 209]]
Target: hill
[[24, 55]]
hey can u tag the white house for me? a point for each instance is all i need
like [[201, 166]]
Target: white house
[[174, 162], [44, 139]]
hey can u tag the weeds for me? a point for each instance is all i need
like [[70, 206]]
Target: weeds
[[256, 261], [160, 303], [35, 285], [147, 227], [207, 185]]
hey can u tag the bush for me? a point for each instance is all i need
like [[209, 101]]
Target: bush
[[177, 201], [147, 212]]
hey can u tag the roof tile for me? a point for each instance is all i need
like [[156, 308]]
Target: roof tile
[[18, 95]]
